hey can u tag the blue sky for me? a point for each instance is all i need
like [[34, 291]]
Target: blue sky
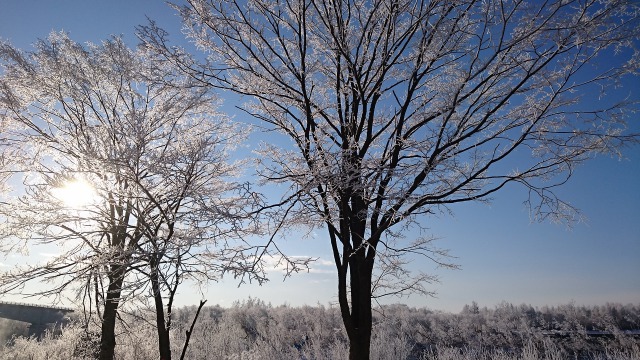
[[502, 254]]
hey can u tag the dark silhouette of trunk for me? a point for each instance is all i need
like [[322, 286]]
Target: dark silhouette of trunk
[[117, 270], [357, 316], [164, 342], [107, 335], [357, 261], [361, 315]]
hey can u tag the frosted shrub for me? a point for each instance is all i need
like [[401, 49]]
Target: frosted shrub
[[49, 347], [203, 343], [136, 341], [631, 353], [543, 351], [390, 340]]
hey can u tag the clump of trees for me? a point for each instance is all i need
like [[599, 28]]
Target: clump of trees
[[122, 167], [253, 329]]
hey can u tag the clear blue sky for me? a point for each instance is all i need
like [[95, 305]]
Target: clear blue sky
[[502, 254]]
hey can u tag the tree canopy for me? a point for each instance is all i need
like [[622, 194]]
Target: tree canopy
[[397, 110], [151, 156]]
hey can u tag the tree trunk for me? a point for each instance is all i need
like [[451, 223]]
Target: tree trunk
[[360, 325], [361, 314], [107, 336], [359, 347], [358, 319], [357, 315], [164, 342]]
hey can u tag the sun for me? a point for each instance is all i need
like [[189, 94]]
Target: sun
[[75, 193]]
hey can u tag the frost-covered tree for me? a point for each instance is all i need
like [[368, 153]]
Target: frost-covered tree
[[120, 168], [397, 110]]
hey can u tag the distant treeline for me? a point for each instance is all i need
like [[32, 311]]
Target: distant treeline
[[252, 329]]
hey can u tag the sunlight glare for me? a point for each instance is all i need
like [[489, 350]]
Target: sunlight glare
[[75, 193]]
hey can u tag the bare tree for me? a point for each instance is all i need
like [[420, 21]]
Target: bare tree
[[152, 156], [399, 109]]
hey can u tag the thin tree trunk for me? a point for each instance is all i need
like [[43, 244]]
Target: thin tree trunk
[[164, 342]]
